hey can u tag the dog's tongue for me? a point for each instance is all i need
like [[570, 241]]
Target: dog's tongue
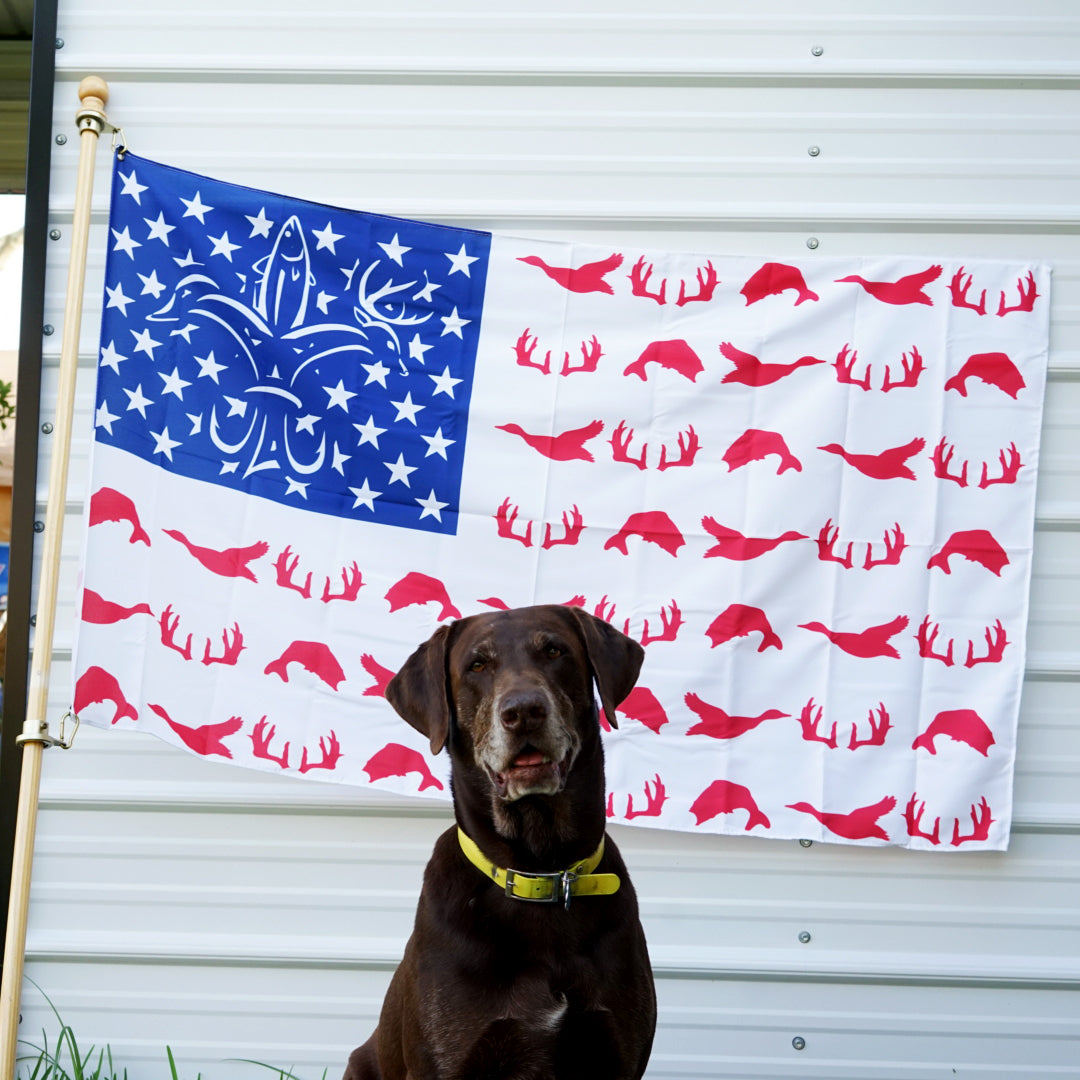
[[531, 757]]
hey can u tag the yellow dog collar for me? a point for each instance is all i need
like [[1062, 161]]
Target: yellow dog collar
[[554, 888]]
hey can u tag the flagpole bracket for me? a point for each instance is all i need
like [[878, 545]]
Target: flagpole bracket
[[43, 736]]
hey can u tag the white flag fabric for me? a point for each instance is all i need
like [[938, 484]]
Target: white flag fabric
[[808, 490]]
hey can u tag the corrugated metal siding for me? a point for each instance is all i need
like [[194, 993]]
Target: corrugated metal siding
[[233, 915]]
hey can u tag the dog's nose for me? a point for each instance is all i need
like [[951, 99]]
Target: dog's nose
[[522, 710]]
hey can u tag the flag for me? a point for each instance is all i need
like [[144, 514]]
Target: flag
[[807, 488]]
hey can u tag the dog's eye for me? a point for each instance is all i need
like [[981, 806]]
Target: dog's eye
[[477, 665], [553, 651]]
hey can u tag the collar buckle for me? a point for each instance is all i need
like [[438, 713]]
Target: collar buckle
[[561, 887]]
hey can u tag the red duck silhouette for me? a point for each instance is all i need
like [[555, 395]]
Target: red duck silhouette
[[569, 446], [96, 609], [381, 675], [231, 562], [870, 643], [888, 465], [905, 290], [734, 545], [750, 371], [581, 279], [718, 724], [205, 739], [860, 824]]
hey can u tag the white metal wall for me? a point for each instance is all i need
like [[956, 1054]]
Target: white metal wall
[[232, 915]]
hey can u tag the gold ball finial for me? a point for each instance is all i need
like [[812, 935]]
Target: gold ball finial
[[93, 86]]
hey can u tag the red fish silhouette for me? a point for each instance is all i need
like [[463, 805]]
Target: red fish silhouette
[[206, 739], [860, 824], [869, 643], [96, 686], [888, 465], [231, 562], [775, 278], [733, 545], [975, 545], [961, 725], [750, 371], [725, 797], [755, 445], [642, 704], [569, 446], [738, 620], [380, 674], [992, 368], [905, 290], [108, 504], [397, 760], [589, 277], [674, 355], [96, 609], [654, 527], [417, 588], [718, 724], [312, 656]]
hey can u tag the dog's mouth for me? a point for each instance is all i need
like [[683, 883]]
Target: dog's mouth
[[531, 772]]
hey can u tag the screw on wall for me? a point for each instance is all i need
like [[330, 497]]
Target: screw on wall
[[804, 937], [46, 428], [55, 234], [806, 843], [48, 330], [799, 1042], [61, 139], [817, 50], [812, 243], [814, 151]]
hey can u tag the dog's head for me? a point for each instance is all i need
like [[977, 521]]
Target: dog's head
[[513, 689]]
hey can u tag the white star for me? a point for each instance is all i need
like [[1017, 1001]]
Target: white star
[[124, 242], [339, 396], [323, 300], [132, 187], [295, 487], [399, 471], [111, 358], [261, 225], [327, 238], [452, 323], [117, 299], [376, 372], [417, 348], [187, 260], [159, 230], [307, 423], [395, 250], [369, 433], [144, 343], [151, 285], [196, 423], [437, 444], [365, 496], [163, 444], [208, 366], [173, 383], [461, 261], [222, 246], [136, 400], [444, 383], [236, 407], [427, 290], [338, 464], [406, 410], [432, 506], [104, 418], [196, 208]]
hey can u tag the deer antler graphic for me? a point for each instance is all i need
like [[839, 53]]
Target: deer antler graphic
[[285, 564], [1026, 288], [689, 445], [639, 282], [655, 796], [707, 282], [620, 446], [573, 525], [913, 818], [261, 736], [505, 518]]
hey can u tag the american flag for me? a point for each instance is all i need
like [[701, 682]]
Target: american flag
[[807, 489]]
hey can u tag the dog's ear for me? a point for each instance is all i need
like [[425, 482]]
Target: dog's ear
[[615, 658], [420, 692]]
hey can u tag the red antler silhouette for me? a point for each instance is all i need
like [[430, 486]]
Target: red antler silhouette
[[168, 633], [689, 445], [603, 610], [261, 736], [925, 638], [351, 584], [826, 541], [707, 282], [232, 645], [913, 818], [995, 647], [959, 289], [655, 796], [810, 723], [505, 518], [590, 357], [573, 524], [285, 564], [669, 626], [981, 822], [330, 749], [894, 548], [1010, 468], [844, 365], [941, 458], [912, 371], [620, 446], [524, 350], [1028, 295], [879, 728], [639, 282]]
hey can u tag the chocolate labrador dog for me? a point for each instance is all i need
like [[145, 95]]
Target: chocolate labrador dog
[[527, 959]]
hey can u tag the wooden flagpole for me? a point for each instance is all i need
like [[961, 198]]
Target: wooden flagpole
[[91, 121]]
